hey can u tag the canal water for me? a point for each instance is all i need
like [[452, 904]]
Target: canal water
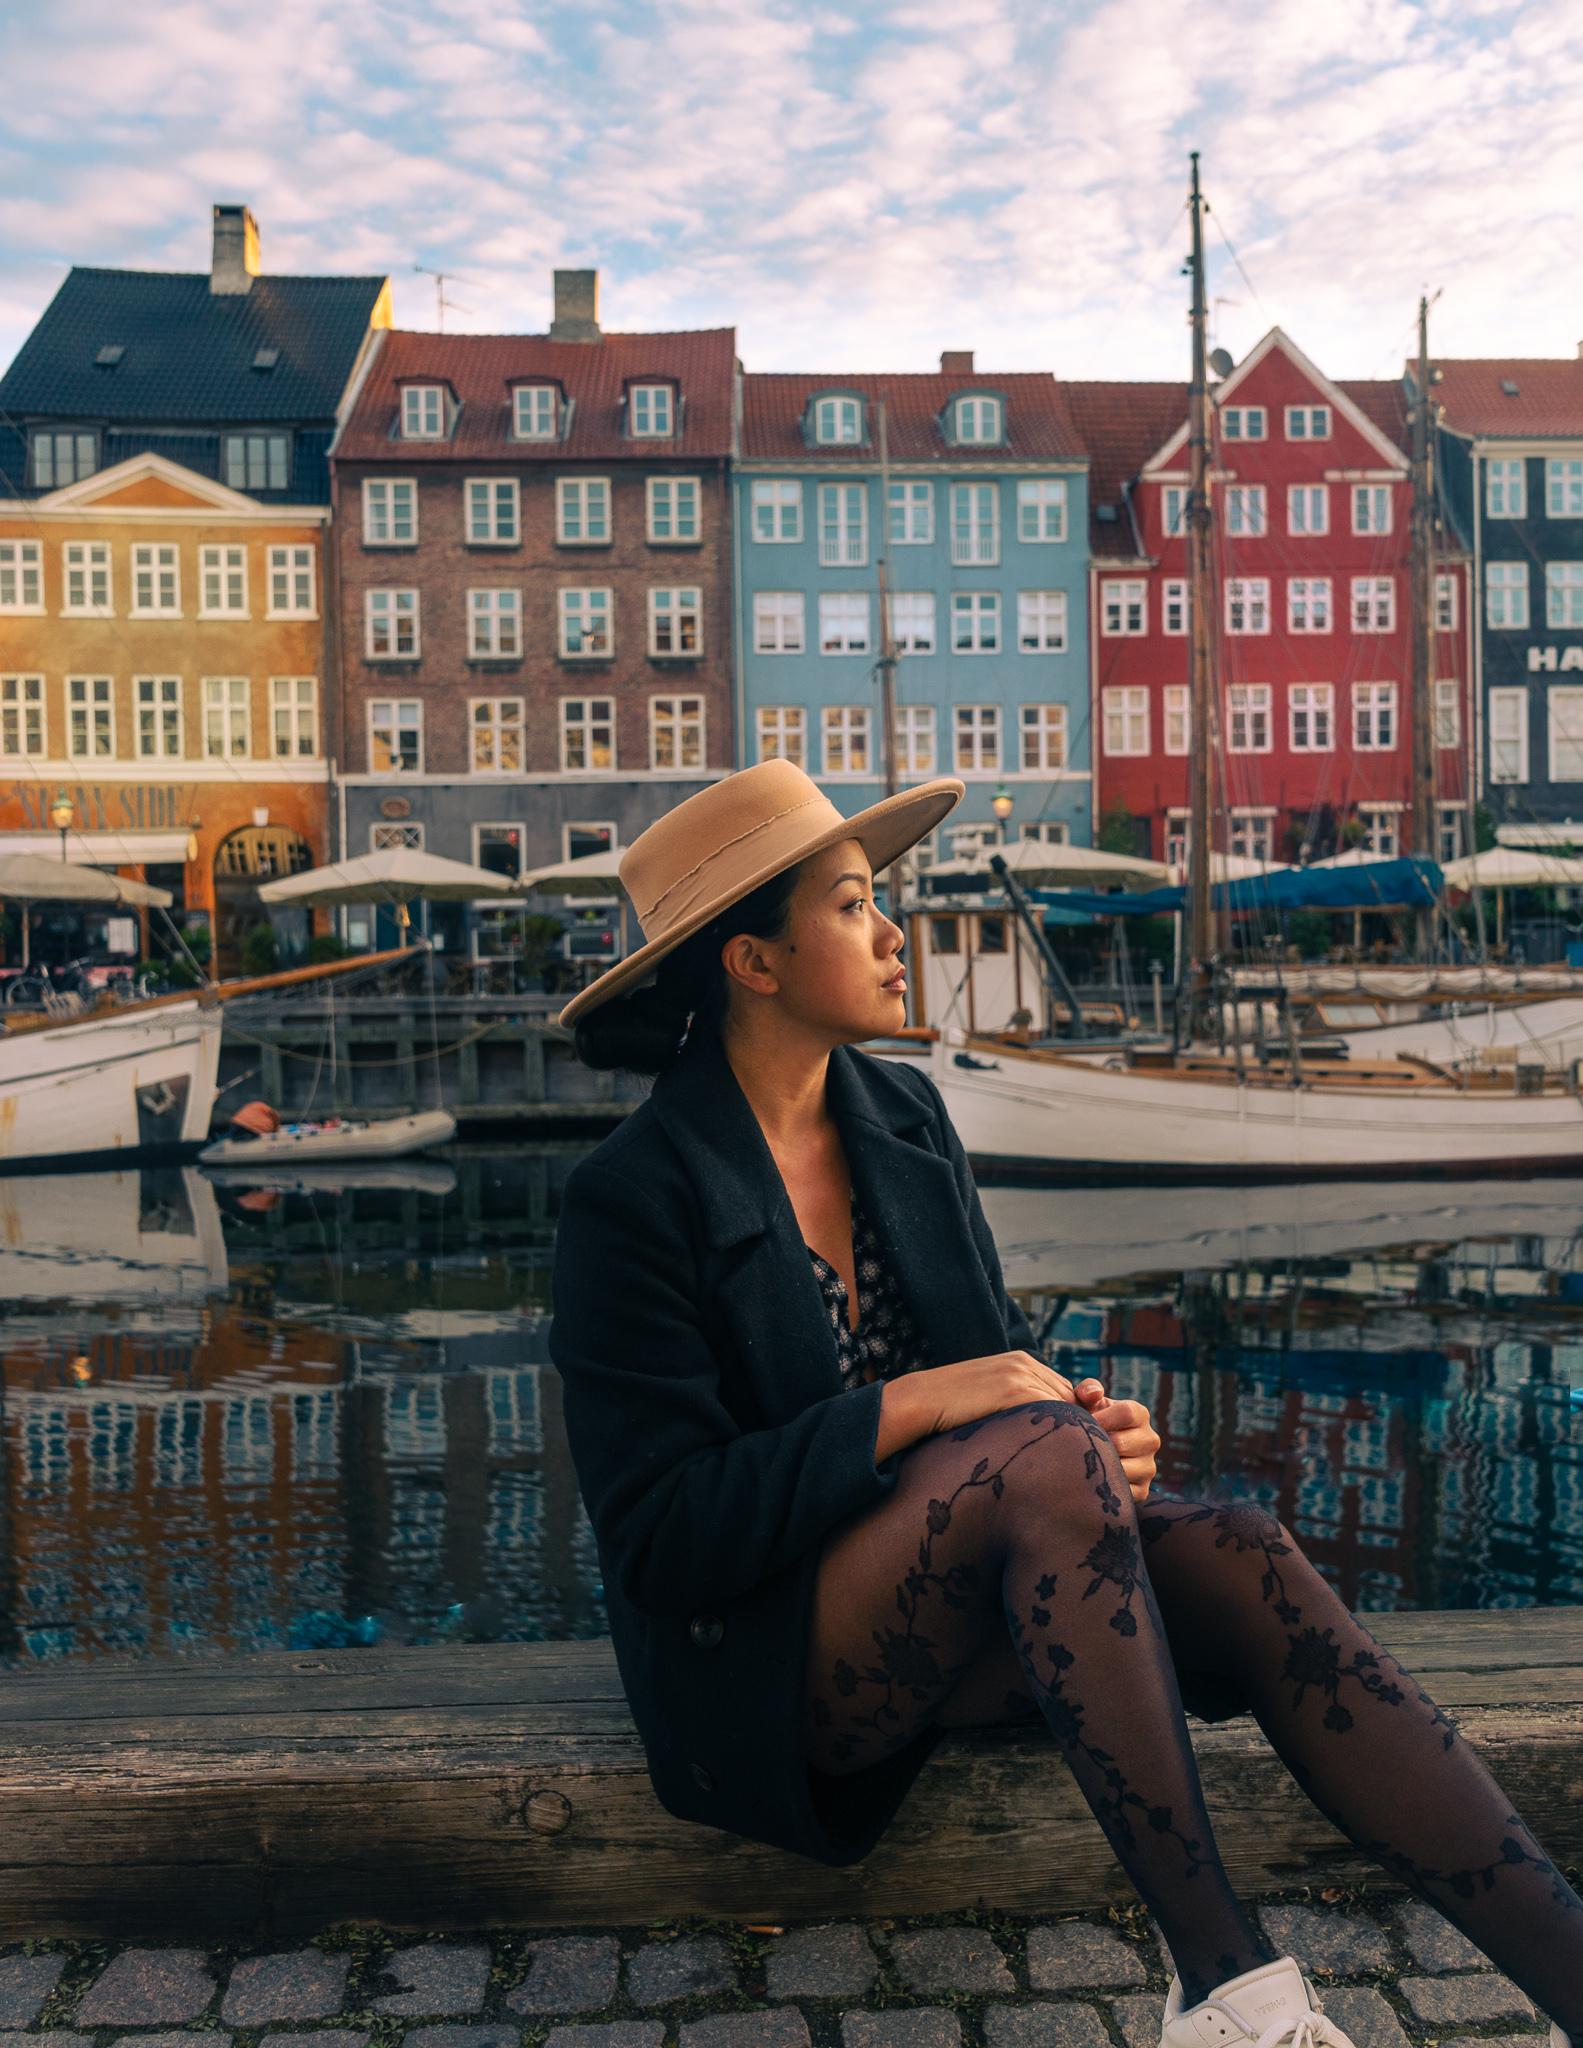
[[238, 1418]]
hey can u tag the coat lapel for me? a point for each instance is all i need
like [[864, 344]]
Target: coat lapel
[[768, 1291]]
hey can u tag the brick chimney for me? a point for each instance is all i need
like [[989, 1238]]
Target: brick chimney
[[576, 306], [235, 261], [956, 362]]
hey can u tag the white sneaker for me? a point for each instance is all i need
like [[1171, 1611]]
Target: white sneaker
[[1272, 2004], [1559, 2038]]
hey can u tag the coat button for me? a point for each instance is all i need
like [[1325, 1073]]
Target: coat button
[[703, 1778], [706, 1630]]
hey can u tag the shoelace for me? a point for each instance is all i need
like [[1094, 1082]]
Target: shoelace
[[1309, 2030]]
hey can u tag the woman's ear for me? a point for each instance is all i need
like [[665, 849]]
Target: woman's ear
[[743, 959]]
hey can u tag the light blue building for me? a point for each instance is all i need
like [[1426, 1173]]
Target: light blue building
[[986, 544]]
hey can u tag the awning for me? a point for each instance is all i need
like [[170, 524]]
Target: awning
[[102, 849]]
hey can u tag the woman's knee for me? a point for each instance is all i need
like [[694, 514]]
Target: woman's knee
[[1046, 1462]]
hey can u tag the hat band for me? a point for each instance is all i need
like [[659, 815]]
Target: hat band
[[715, 854]]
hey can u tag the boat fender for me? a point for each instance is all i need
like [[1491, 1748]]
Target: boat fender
[[967, 1059]]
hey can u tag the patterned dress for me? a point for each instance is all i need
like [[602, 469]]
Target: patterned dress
[[886, 1341]]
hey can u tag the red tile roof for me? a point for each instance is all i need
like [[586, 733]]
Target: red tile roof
[[1547, 403], [1383, 402], [1038, 424], [481, 368], [1121, 425]]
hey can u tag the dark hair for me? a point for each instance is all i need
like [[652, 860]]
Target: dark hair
[[642, 1032]]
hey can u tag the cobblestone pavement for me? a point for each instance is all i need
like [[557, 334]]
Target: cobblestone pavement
[[1391, 1971]]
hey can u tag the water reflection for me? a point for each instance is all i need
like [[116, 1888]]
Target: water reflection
[[240, 1417]]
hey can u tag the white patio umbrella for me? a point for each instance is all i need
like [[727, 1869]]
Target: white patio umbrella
[[396, 874], [598, 873], [31, 878], [1512, 867], [1044, 865], [1232, 867]]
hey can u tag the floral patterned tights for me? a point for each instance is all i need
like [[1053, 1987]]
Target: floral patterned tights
[[1117, 1613]]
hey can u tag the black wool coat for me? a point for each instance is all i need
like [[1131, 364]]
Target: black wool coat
[[713, 1441]]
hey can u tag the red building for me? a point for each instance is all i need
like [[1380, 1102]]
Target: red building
[[1312, 639]]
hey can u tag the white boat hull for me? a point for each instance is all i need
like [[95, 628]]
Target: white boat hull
[[1549, 1032], [136, 1080], [391, 1137], [1014, 1113]]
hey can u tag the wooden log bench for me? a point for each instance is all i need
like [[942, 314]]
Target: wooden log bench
[[479, 1785]]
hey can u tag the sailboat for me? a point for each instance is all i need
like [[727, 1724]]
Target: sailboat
[[1189, 1112]]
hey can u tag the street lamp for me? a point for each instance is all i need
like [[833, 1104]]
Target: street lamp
[[1000, 803], [61, 814]]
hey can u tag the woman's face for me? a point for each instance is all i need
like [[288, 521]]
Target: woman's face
[[837, 971]]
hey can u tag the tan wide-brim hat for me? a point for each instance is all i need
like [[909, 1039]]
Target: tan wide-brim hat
[[717, 846]]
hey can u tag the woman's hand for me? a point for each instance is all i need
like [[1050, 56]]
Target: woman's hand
[[1127, 1425]]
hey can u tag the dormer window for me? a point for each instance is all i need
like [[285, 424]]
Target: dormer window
[[838, 420], [652, 411], [977, 419], [423, 412], [533, 412]]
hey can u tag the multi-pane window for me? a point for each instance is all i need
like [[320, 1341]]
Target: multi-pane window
[[1173, 606], [294, 717], [778, 622], [585, 624], [1371, 508], [423, 412], [1564, 487], [156, 703], [1126, 718], [1175, 852], [676, 732], [390, 512], [87, 589], [1253, 835], [533, 412], [1245, 509], [1041, 621], [978, 419], [395, 735], [588, 732], [783, 733], [1506, 593], [1308, 423], [1248, 604], [673, 510], [1381, 830], [156, 581], [977, 737], [843, 622], [1041, 508], [1308, 604], [777, 509], [1508, 709], [1564, 593], [226, 722], [495, 735], [1566, 734], [22, 717], [388, 838], [1173, 509], [1445, 604], [222, 583], [1505, 487], [1373, 717], [975, 621], [838, 419], [1307, 509], [675, 622], [293, 583], [975, 523], [912, 512], [915, 739], [390, 625], [843, 525], [21, 576], [912, 621], [653, 411], [1447, 699], [493, 517], [1123, 607], [1242, 423], [61, 456], [1248, 706], [257, 462], [1373, 604], [582, 511], [1043, 729], [494, 624], [844, 733], [1178, 708], [1312, 708], [1450, 833], [90, 717]]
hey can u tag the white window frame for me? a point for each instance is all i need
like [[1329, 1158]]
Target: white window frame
[[671, 488], [831, 418], [161, 698], [781, 499], [294, 715], [579, 734], [845, 729], [1247, 606], [225, 706], [686, 717], [1041, 622], [494, 623], [491, 496], [418, 403], [1247, 511], [975, 739], [495, 721], [1252, 834], [1124, 710], [843, 537], [397, 724], [1508, 704], [1173, 607], [916, 739], [1564, 733], [1375, 709], [1173, 510], [401, 606], [22, 714], [90, 695], [1250, 718], [1564, 487], [1042, 738], [1506, 596], [1367, 500], [1041, 510], [651, 412], [1302, 502], [382, 837], [584, 615], [225, 562], [1445, 603], [1382, 830], [838, 609], [87, 561], [1451, 831], [1311, 718], [1563, 596], [913, 499], [975, 622], [1505, 487], [780, 622], [913, 625], [527, 401], [1308, 423], [676, 617], [1373, 601], [159, 561], [1243, 423], [1123, 607], [586, 494], [379, 509], [975, 540], [1445, 697], [21, 572], [976, 421], [293, 565], [1309, 607], [1176, 716], [781, 733]]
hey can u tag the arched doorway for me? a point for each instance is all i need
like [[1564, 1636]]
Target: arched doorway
[[243, 859]]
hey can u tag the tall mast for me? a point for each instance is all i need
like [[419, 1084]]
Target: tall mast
[[886, 664], [1423, 615], [1201, 706]]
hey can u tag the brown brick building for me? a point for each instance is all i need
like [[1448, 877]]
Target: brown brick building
[[533, 588]]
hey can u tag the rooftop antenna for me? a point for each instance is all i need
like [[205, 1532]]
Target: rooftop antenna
[[441, 279]]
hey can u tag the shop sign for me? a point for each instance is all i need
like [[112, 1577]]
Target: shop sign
[[109, 807], [395, 807], [1548, 660]]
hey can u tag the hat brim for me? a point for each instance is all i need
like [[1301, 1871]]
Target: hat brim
[[886, 830]]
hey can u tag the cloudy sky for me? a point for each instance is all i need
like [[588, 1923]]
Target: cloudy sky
[[851, 186]]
